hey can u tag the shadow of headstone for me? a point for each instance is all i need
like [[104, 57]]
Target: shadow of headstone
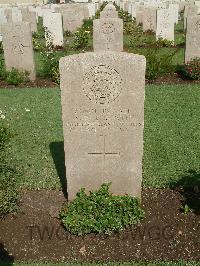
[[189, 187], [5, 258], [57, 152]]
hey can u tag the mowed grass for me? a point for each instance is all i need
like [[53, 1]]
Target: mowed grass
[[171, 135], [34, 115]]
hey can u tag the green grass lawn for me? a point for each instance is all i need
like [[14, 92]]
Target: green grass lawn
[[171, 135]]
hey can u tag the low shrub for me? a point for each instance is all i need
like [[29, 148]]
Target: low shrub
[[2, 68], [164, 43], [81, 39], [129, 28], [190, 70], [68, 33], [50, 63], [38, 38], [1, 48], [88, 26], [9, 187], [138, 39], [97, 14], [157, 63], [16, 77], [100, 212], [124, 15]]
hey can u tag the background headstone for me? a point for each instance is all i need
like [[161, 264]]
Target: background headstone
[[53, 28], [73, 18], [108, 34], [192, 38], [165, 25], [30, 16], [18, 47], [149, 19]]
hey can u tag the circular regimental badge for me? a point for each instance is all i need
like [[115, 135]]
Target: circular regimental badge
[[102, 84], [107, 28]]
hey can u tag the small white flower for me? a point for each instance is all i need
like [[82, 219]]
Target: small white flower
[[1, 112], [27, 110], [2, 117]]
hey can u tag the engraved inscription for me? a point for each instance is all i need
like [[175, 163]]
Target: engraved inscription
[[107, 28], [93, 120], [102, 84]]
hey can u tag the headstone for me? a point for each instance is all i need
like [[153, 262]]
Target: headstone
[[72, 19], [16, 15], [34, 9], [190, 11], [108, 34], [103, 119], [8, 15], [139, 17], [149, 19], [109, 12], [192, 38], [18, 47], [126, 6], [133, 10], [91, 9], [53, 28], [175, 9], [3, 20], [30, 16], [165, 25]]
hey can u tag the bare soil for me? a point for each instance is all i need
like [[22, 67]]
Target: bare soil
[[35, 233]]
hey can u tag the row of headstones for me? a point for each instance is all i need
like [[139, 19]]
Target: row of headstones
[[71, 16], [17, 40], [64, 18], [102, 96], [161, 19]]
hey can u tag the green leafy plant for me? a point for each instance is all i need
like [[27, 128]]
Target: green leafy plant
[[68, 33], [16, 77], [81, 39], [38, 37], [9, 187], [124, 15], [190, 70], [185, 209], [88, 26], [157, 63], [100, 212], [97, 14], [2, 68], [164, 43], [1, 48], [129, 28], [139, 39], [50, 62]]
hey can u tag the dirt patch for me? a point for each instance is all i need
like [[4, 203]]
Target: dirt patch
[[34, 233], [171, 79], [168, 79], [39, 82]]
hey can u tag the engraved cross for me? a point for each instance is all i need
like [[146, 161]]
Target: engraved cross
[[105, 152]]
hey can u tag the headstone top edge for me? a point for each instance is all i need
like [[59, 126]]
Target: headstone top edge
[[103, 54]]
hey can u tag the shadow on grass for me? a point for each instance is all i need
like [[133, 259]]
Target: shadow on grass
[[57, 152], [189, 187], [5, 258]]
